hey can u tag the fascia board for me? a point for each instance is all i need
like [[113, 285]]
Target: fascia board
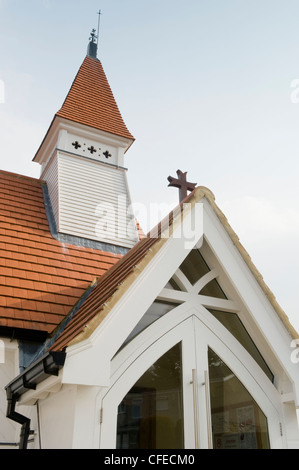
[[50, 140], [94, 134], [48, 145]]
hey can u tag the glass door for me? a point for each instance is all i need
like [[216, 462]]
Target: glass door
[[239, 407], [150, 398], [237, 420], [188, 390], [150, 416]]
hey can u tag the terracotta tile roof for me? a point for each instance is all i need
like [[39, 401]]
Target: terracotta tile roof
[[90, 101], [105, 288], [140, 231], [41, 279]]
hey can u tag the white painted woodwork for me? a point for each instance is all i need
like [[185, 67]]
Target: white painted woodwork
[[87, 183], [57, 417], [185, 324], [91, 148], [94, 201]]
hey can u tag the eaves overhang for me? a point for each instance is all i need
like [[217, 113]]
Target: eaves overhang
[[49, 364], [51, 138]]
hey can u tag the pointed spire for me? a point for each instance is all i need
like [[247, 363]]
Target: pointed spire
[[90, 101]]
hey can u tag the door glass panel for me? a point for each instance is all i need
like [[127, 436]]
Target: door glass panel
[[150, 416], [237, 420]]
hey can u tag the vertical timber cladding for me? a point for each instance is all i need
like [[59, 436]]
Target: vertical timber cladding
[[94, 201]]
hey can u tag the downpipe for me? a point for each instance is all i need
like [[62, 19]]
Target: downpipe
[[18, 418], [50, 364]]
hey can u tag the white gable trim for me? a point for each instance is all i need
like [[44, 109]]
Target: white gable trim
[[99, 348], [265, 317]]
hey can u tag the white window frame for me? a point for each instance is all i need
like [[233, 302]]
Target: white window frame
[[197, 330]]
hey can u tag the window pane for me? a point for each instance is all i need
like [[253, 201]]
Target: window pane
[[157, 310], [233, 324], [171, 284], [237, 420], [151, 415], [213, 290], [194, 266]]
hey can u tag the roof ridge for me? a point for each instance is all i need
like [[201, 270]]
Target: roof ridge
[[19, 176]]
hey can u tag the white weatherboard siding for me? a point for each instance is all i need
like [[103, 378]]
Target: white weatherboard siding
[[93, 200]]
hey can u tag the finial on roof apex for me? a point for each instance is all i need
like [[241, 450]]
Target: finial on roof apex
[[92, 49], [181, 183], [93, 45]]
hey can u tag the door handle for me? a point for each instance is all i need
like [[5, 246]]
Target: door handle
[[195, 407], [208, 408]]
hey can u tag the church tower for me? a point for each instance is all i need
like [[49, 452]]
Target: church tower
[[82, 162]]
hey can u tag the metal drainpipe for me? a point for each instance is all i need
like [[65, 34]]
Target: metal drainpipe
[[18, 418], [50, 364]]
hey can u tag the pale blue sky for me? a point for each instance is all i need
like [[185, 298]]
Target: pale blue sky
[[203, 85]]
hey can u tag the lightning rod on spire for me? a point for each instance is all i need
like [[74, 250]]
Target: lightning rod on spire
[[99, 23], [92, 49]]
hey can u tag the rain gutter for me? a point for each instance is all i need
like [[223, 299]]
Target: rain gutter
[[47, 365]]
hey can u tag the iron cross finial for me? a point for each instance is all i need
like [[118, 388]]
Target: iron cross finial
[[181, 183]]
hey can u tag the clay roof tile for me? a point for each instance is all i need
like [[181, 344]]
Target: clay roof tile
[[38, 274], [90, 101]]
